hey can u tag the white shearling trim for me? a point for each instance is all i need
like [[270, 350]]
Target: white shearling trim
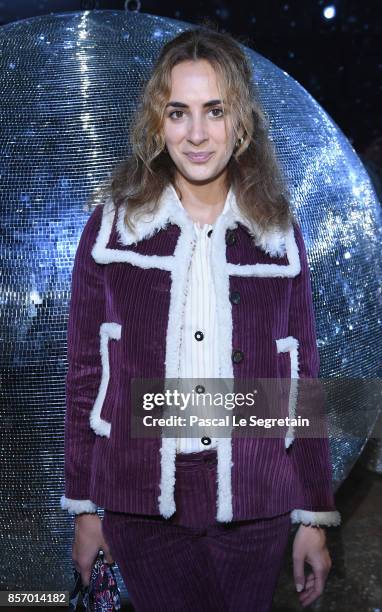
[[108, 330], [272, 270], [170, 209], [287, 344], [270, 241], [290, 345], [103, 255], [166, 498], [224, 318], [182, 256], [148, 223], [224, 480], [77, 506], [316, 518], [223, 304]]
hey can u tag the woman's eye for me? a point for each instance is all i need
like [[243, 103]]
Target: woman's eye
[[217, 109], [177, 111], [220, 110]]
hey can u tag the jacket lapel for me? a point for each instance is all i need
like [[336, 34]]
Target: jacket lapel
[[171, 210], [275, 242]]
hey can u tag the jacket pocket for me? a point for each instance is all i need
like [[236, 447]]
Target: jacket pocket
[[108, 331], [289, 345]]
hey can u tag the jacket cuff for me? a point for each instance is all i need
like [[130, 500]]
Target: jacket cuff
[[77, 506], [316, 518]]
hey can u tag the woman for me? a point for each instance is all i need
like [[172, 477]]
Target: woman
[[193, 267]]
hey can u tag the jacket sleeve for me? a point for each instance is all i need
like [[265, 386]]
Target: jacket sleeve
[[310, 456], [86, 313]]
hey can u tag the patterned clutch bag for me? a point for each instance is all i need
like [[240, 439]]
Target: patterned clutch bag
[[102, 594]]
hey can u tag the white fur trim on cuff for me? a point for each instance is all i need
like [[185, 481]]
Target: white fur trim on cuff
[[316, 518], [77, 506]]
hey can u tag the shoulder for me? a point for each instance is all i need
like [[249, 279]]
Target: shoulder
[[302, 249], [298, 234], [101, 214], [91, 229]]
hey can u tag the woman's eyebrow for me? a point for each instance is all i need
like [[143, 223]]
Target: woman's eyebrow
[[182, 105]]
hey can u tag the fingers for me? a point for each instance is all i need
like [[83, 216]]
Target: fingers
[[315, 584], [298, 572], [309, 582], [88, 540], [83, 564], [85, 577], [85, 573], [107, 553], [106, 549]]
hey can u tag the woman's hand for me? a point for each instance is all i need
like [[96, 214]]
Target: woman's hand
[[88, 539], [310, 546]]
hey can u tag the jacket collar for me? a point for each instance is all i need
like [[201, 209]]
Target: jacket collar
[[171, 210]]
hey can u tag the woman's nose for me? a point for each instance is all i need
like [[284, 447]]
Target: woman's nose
[[197, 131]]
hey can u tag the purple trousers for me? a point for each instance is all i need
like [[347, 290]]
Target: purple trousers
[[191, 562]]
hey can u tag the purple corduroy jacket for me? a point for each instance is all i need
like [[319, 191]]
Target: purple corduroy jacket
[[125, 322]]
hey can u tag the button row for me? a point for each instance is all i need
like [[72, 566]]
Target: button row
[[237, 356]]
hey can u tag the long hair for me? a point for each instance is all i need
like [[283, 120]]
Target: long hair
[[137, 182]]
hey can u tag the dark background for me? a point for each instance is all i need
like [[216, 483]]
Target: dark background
[[338, 60]]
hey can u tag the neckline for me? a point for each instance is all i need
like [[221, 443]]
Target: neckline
[[226, 208]]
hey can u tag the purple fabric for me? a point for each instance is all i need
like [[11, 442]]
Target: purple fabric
[[190, 562], [123, 474]]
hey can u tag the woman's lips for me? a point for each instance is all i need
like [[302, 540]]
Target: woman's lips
[[198, 157]]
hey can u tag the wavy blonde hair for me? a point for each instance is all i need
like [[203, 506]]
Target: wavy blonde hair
[[137, 182]]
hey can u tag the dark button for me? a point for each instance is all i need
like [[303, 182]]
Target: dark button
[[205, 440], [209, 233], [199, 389], [234, 297], [230, 238], [237, 356], [199, 335]]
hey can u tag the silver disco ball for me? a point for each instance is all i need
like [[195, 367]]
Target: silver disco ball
[[69, 86]]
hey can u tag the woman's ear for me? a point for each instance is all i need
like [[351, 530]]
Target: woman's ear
[[240, 131]]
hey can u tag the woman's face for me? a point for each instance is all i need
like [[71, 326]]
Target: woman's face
[[193, 124]]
